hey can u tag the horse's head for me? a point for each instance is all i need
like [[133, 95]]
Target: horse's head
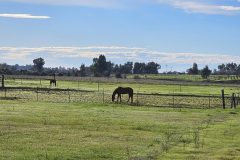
[[113, 97]]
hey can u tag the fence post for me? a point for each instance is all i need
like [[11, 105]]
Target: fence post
[[223, 99], [3, 81]]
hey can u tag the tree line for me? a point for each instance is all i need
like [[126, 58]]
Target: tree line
[[100, 67], [223, 69]]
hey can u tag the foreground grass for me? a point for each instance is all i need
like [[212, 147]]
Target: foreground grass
[[30, 130]]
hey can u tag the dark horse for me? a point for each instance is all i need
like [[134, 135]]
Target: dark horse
[[53, 82], [120, 90]]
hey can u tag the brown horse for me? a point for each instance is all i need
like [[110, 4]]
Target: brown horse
[[120, 90]]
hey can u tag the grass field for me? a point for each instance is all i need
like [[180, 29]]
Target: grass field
[[138, 87], [82, 127], [31, 130], [186, 77]]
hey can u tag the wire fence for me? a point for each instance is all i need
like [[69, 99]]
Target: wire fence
[[157, 100]]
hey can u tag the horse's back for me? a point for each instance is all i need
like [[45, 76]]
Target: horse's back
[[130, 89], [127, 90]]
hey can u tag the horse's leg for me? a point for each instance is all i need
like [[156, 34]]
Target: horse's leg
[[120, 98]]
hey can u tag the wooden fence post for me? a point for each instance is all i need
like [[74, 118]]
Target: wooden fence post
[[223, 99]]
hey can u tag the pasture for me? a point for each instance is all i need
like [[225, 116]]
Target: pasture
[[81, 122], [110, 84], [31, 130]]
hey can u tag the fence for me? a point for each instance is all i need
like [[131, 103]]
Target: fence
[[157, 100], [2, 81]]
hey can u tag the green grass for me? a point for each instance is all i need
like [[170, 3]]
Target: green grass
[[141, 88], [186, 77], [31, 130]]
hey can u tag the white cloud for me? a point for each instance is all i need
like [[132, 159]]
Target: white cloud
[[115, 54], [190, 6], [198, 6], [23, 16]]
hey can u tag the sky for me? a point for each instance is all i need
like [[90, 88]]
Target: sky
[[173, 33]]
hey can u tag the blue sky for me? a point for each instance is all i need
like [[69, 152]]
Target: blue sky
[[174, 33]]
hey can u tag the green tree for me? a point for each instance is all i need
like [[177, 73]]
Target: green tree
[[139, 68], [206, 72], [194, 70], [152, 68], [38, 65], [83, 70], [101, 67]]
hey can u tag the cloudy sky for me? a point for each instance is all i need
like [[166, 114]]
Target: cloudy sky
[[174, 33]]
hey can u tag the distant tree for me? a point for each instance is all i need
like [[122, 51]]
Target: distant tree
[[38, 65], [206, 72], [139, 68], [152, 68], [238, 70], [222, 69], [109, 70], [127, 68], [101, 67], [231, 68], [194, 70], [228, 69], [3, 68], [116, 69], [83, 70]]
